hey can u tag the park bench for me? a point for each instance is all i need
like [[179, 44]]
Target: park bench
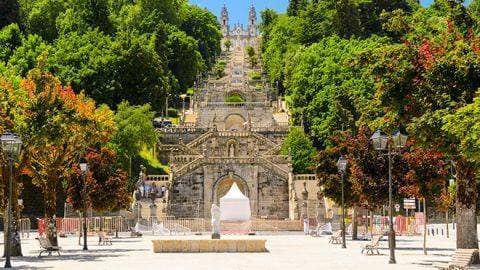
[[373, 245], [134, 233], [336, 237], [321, 229], [47, 247], [461, 259], [103, 239]]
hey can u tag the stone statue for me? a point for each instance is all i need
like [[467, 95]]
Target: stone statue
[[215, 211], [141, 179], [153, 193]]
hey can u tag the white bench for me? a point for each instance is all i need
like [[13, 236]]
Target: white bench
[[461, 259], [103, 239], [373, 245]]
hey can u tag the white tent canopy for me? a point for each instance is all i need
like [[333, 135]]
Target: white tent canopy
[[235, 206]]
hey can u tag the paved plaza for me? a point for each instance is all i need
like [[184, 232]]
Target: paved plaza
[[285, 251]]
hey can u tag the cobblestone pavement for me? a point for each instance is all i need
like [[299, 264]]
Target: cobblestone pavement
[[286, 251]]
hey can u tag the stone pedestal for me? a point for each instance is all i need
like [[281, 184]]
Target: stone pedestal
[[137, 211], [153, 212]]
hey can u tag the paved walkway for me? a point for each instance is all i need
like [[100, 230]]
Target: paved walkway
[[286, 251]]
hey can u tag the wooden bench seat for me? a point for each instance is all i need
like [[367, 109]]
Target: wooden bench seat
[[47, 247], [461, 259], [336, 238], [373, 245]]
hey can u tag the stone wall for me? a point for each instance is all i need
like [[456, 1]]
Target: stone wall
[[267, 192]]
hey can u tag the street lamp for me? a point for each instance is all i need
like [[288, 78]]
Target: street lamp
[[84, 169], [380, 142], [342, 168], [11, 147]]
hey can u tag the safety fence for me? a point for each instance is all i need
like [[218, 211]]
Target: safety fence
[[94, 224], [173, 225], [24, 227]]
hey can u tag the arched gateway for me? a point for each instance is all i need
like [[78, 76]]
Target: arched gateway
[[224, 183]]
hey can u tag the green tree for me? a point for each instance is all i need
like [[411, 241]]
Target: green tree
[[228, 44], [10, 39], [82, 15], [111, 70], [25, 56], [324, 89], [185, 61], [298, 145], [203, 26], [295, 6], [284, 38], [134, 131], [42, 17]]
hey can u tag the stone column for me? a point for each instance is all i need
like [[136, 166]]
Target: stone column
[[153, 212], [304, 201], [320, 208], [137, 211]]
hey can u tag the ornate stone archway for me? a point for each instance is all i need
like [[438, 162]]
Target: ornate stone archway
[[224, 183], [234, 122]]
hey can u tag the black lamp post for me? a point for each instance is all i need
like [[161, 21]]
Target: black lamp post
[[381, 143], [342, 168], [84, 169], [11, 148]]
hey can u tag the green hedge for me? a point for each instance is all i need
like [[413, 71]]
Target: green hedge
[[171, 112], [235, 98]]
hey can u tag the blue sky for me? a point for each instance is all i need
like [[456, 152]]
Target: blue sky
[[238, 9]]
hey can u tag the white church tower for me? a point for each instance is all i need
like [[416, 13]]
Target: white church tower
[[252, 21], [224, 21]]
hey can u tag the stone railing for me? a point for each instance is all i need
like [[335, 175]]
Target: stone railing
[[189, 167], [185, 158], [157, 178], [264, 139], [277, 169], [233, 133], [182, 130], [234, 104], [193, 165], [177, 147], [277, 159], [200, 139], [305, 177]]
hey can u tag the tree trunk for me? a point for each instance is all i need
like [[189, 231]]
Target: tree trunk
[[50, 200], [466, 206], [446, 222], [425, 218], [371, 224], [354, 223], [466, 226], [366, 223]]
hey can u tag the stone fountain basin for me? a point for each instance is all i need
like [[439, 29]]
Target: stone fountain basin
[[208, 245]]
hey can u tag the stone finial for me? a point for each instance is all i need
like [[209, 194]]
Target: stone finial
[[305, 192]]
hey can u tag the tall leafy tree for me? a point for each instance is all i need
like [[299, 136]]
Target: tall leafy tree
[[105, 187], [82, 15], [42, 16], [298, 145], [10, 39], [134, 131], [203, 26], [295, 6], [59, 127]]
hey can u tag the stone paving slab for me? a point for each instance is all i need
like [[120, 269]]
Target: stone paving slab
[[285, 251]]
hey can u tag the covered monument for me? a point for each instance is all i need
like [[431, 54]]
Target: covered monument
[[235, 206]]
